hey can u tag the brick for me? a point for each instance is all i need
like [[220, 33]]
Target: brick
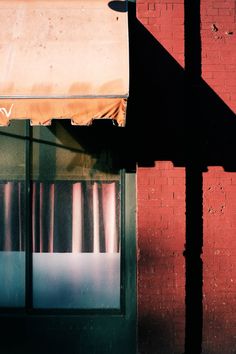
[[178, 21], [226, 12], [178, 45], [212, 68], [209, 19], [175, 173], [178, 35], [164, 165], [207, 75], [224, 19], [145, 20], [180, 180], [223, 4], [231, 81], [142, 7], [233, 96], [212, 11], [178, 8]]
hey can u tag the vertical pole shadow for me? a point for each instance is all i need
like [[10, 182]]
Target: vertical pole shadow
[[194, 168], [193, 250]]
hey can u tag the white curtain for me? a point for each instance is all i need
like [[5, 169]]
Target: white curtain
[[66, 216], [11, 216], [76, 217]]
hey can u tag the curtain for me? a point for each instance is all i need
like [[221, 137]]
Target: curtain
[[11, 216], [76, 217], [66, 216]]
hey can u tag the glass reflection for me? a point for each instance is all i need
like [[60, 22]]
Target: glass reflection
[[12, 209], [76, 220], [76, 257]]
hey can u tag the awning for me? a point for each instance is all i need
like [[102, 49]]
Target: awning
[[63, 60]]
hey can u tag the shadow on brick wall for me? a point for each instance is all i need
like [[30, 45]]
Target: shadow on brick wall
[[174, 115]]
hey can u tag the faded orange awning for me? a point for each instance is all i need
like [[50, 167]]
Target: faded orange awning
[[63, 60]]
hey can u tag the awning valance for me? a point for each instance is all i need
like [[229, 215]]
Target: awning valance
[[63, 60]]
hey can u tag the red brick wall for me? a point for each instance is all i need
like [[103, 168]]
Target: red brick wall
[[161, 237], [219, 255], [161, 214], [165, 20], [161, 200]]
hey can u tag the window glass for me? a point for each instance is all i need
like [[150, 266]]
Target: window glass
[[75, 220], [12, 216]]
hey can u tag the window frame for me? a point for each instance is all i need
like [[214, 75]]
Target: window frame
[[28, 309]]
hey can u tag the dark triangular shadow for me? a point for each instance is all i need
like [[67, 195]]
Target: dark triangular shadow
[[170, 116]]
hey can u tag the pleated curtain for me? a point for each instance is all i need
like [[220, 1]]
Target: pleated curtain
[[80, 216]]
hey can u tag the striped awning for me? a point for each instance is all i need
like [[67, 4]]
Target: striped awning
[[63, 60]]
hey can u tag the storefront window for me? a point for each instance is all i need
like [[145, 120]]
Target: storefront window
[[75, 220]]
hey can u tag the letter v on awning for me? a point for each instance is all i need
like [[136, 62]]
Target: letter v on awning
[[63, 60]]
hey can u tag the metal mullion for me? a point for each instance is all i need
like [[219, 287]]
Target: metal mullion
[[28, 218]]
